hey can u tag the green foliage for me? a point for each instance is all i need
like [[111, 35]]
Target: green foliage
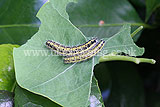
[[86, 15], [45, 81], [17, 20], [151, 6], [71, 80], [7, 76], [122, 42], [60, 6]]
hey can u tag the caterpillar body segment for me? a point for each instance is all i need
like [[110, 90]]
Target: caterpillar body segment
[[88, 55]]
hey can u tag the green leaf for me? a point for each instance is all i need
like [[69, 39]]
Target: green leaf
[[6, 99], [66, 84], [7, 76], [127, 89], [17, 20], [60, 6], [47, 75], [24, 98], [122, 42], [86, 15], [151, 6]]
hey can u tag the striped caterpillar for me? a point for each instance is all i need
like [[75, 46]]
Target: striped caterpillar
[[77, 53], [90, 54], [71, 51]]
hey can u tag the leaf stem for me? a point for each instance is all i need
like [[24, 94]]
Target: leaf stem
[[125, 58], [117, 24], [136, 31]]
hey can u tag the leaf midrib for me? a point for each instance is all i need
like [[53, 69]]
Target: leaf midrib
[[79, 26], [114, 25], [19, 25]]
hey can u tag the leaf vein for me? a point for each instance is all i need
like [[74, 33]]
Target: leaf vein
[[55, 76]]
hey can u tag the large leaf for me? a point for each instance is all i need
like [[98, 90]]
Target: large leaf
[[151, 6], [17, 20], [127, 90], [86, 14], [24, 98], [7, 76], [6, 99], [47, 75]]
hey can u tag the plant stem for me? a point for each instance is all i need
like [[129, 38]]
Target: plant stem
[[136, 31], [125, 58]]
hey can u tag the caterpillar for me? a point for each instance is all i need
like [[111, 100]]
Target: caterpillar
[[71, 51], [90, 54]]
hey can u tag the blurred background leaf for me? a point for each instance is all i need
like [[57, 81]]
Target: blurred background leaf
[[87, 14], [7, 73], [140, 7], [18, 20], [151, 6]]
